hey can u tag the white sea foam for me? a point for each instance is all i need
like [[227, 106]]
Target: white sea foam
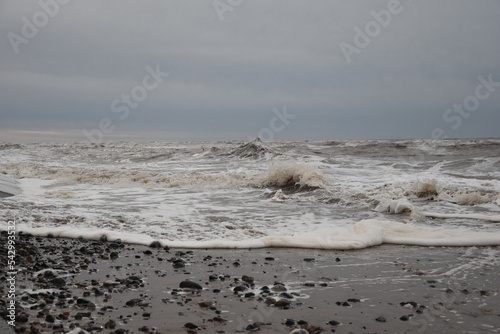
[[233, 194], [366, 233]]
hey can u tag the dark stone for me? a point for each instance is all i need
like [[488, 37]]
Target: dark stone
[[337, 259], [50, 318], [282, 303], [148, 252], [290, 322], [111, 324], [381, 319], [354, 300], [413, 304], [249, 295], [420, 309], [247, 279], [240, 288], [81, 301], [190, 285], [155, 244], [309, 259], [405, 317], [190, 325], [286, 295], [333, 323], [58, 282], [22, 318], [113, 255], [346, 304], [270, 301], [269, 258]]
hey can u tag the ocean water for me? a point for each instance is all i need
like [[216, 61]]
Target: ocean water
[[342, 194]]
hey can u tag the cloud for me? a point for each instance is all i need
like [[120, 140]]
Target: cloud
[[226, 76]]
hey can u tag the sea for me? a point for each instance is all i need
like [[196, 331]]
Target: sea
[[331, 194]]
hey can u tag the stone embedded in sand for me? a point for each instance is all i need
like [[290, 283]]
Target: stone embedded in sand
[[240, 288], [111, 324], [333, 323], [286, 295], [279, 287], [405, 317], [299, 331], [190, 325], [190, 285], [309, 259], [381, 319], [282, 303], [58, 282], [247, 279], [205, 304], [155, 244], [290, 322], [270, 301]]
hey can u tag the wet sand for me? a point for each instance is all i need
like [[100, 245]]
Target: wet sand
[[110, 287]]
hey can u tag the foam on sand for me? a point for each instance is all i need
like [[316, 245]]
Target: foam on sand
[[363, 234]]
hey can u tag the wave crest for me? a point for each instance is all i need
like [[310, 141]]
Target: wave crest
[[294, 177]]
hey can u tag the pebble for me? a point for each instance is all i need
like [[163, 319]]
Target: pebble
[[333, 323], [155, 244], [282, 303], [190, 325], [405, 317], [299, 331], [247, 279], [190, 285], [381, 319]]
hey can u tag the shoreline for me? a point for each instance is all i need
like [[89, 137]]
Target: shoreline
[[111, 287]]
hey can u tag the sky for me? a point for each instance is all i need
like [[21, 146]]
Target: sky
[[236, 69]]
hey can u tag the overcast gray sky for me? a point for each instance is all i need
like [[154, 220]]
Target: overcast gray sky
[[330, 69]]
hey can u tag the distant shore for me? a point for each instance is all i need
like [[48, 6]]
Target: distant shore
[[64, 284]]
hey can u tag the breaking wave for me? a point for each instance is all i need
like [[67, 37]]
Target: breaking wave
[[294, 176], [254, 149], [286, 175]]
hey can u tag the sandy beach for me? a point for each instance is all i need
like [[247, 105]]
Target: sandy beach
[[65, 285]]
